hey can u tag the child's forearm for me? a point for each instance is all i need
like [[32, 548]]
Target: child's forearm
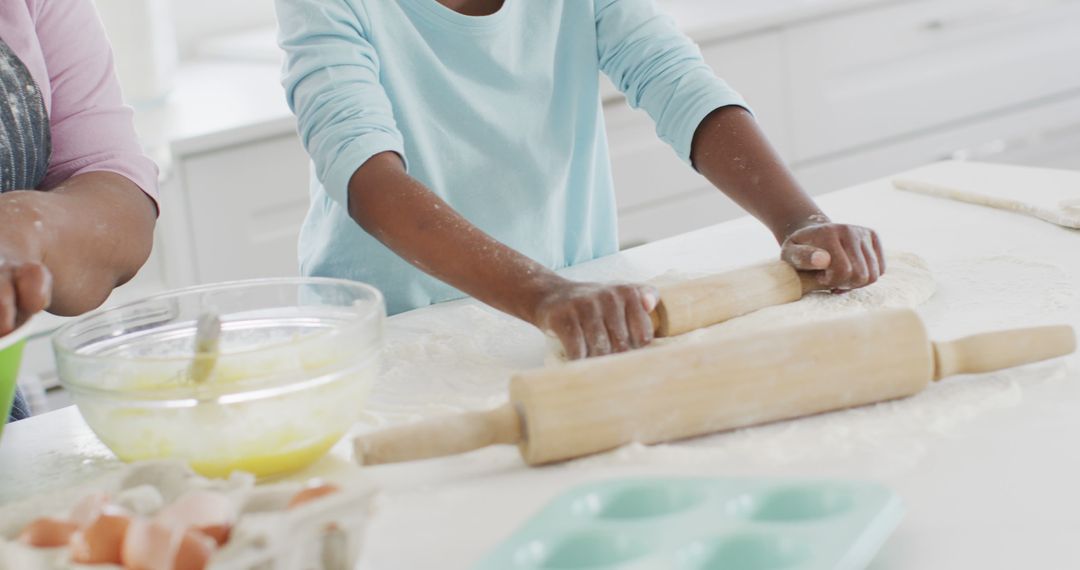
[[588, 318], [731, 151], [420, 227]]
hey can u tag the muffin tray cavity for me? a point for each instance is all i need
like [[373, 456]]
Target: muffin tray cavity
[[705, 524]]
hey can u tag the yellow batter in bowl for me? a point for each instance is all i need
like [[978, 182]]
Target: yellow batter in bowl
[[297, 360]]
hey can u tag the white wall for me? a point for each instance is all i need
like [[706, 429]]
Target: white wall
[[197, 19]]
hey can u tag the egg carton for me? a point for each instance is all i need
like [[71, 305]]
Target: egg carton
[[324, 534], [705, 524]]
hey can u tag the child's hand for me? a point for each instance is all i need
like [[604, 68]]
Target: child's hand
[[846, 257], [593, 319]]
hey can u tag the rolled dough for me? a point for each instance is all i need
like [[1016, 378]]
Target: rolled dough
[[907, 283], [1050, 195]]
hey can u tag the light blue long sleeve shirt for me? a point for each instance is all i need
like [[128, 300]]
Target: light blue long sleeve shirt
[[499, 115]]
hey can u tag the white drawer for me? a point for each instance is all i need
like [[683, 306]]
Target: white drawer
[[246, 205], [646, 169], [675, 216], [900, 69], [1047, 135]]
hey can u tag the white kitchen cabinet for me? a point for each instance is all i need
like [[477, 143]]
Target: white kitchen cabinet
[[660, 195], [674, 216], [1047, 136], [245, 206], [903, 69], [854, 94]]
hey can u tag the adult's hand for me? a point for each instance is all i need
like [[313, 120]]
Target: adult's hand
[[25, 289], [65, 249], [25, 282]]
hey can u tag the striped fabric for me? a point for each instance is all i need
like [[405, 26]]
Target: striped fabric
[[25, 143]]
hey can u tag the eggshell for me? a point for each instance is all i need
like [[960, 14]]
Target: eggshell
[[194, 552], [89, 508], [48, 532], [159, 545], [313, 492], [101, 541], [142, 500], [219, 532], [150, 545], [199, 508]]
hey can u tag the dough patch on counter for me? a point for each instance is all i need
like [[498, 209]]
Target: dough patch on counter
[[1049, 195]]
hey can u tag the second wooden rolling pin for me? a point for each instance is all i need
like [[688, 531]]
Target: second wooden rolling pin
[[678, 391], [706, 301]]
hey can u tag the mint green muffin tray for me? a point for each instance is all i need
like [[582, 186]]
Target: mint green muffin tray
[[705, 524]]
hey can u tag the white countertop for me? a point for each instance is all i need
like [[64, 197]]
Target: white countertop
[[986, 465]]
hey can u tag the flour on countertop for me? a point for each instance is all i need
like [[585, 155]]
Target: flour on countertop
[[896, 432], [458, 357], [461, 357], [998, 291]]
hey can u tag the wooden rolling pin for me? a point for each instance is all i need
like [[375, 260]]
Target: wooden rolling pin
[[706, 301], [678, 391]]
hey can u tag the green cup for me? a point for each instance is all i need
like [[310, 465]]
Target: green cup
[[11, 349]]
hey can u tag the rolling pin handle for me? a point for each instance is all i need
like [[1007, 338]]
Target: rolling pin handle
[[999, 350], [657, 317], [439, 437], [810, 283]]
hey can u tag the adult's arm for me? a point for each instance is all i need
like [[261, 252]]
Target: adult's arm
[[89, 227], [66, 249], [92, 129]]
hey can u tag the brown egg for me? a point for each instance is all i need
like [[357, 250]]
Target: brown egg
[[199, 509], [313, 492], [219, 532], [48, 532], [101, 541], [157, 545], [194, 552]]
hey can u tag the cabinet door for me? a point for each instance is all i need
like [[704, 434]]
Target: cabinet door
[[647, 173], [1047, 135], [245, 208], [697, 209], [876, 75]]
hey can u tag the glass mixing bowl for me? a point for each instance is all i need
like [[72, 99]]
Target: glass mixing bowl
[[297, 359]]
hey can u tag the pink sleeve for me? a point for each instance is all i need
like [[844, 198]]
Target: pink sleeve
[[92, 129]]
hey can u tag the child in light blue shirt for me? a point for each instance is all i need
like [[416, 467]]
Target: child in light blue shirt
[[459, 146]]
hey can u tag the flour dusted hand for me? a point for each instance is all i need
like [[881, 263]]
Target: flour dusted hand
[[592, 319], [25, 282], [25, 289], [845, 257]]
